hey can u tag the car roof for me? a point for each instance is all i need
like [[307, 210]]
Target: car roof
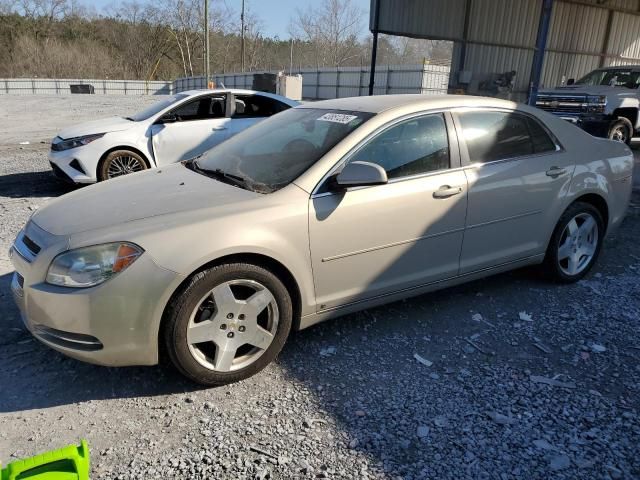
[[238, 91], [381, 103]]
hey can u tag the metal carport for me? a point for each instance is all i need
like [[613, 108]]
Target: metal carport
[[544, 41]]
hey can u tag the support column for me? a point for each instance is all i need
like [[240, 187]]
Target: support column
[[374, 49], [538, 56]]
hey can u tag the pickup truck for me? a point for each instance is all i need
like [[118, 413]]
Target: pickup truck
[[605, 102]]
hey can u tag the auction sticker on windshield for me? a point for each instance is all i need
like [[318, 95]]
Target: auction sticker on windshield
[[337, 118]]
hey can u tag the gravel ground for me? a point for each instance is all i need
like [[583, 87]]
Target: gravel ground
[[527, 380]]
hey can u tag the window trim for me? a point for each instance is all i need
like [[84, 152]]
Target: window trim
[[454, 152], [464, 149]]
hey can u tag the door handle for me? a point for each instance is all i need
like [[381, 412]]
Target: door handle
[[555, 172], [216, 129], [446, 191]]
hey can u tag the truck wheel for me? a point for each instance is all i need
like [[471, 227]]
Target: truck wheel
[[621, 131]]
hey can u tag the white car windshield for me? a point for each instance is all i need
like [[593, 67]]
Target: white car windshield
[[157, 107], [273, 153], [622, 77]]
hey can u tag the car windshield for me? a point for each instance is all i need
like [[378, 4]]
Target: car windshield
[[273, 153], [622, 77], [157, 107]]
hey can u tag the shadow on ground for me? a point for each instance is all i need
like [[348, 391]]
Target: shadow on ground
[[32, 184]]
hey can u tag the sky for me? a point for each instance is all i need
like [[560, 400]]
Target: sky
[[275, 14]]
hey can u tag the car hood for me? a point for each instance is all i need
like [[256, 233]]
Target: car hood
[[134, 197], [104, 125], [586, 90]]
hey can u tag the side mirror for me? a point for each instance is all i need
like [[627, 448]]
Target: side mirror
[[358, 174], [168, 118], [571, 81]]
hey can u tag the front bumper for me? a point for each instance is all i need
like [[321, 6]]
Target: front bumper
[[113, 324], [597, 124], [74, 166]]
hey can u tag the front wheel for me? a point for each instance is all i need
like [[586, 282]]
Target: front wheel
[[575, 243], [120, 162], [228, 323], [621, 131]]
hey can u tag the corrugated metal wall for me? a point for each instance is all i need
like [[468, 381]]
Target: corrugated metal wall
[[328, 83], [31, 86], [416, 16], [501, 34]]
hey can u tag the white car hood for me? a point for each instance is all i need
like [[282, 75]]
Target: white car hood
[[104, 125], [134, 197]]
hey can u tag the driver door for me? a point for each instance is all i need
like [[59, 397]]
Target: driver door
[[372, 241], [190, 129]]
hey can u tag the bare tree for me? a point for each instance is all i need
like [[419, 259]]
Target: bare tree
[[332, 29]]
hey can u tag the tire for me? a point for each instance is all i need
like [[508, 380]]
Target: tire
[[203, 313], [621, 131], [582, 250], [120, 162]]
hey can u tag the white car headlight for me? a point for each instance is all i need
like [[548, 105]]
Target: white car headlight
[[60, 144], [90, 266]]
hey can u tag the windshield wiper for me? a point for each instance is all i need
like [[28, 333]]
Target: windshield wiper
[[219, 174], [129, 118]]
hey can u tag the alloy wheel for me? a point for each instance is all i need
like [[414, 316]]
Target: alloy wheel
[[123, 165], [233, 325], [578, 244]]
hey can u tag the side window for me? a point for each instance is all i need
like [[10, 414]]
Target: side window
[[411, 147], [494, 136], [201, 109], [248, 106]]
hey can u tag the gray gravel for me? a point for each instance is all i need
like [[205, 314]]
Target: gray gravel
[[527, 379]]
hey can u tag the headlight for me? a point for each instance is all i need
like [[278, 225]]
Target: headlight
[[59, 144], [597, 99], [90, 266]]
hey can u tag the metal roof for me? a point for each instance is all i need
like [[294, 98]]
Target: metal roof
[[494, 36]]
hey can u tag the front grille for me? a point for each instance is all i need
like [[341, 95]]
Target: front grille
[[26, 248], [574, 105], [31, 245]]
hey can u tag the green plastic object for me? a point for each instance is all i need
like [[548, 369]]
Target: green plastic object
[[68, 463]]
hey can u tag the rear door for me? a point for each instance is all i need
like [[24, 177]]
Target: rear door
[[517, 174], [249, 109], [371, 241], [199, 125]]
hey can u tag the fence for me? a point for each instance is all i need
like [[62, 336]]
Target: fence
[[31, 86], [325, 83], [317, 84]]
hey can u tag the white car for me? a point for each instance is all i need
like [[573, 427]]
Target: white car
[[177, 128]]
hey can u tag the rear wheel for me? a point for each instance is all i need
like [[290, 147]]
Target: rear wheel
[[621, 131], [121, 162], [575, 243], [228, 323]]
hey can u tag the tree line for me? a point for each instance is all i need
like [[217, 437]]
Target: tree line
[[164, 39]]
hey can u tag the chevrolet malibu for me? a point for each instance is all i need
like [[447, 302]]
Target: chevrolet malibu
[[322, 210], [171, 130]]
